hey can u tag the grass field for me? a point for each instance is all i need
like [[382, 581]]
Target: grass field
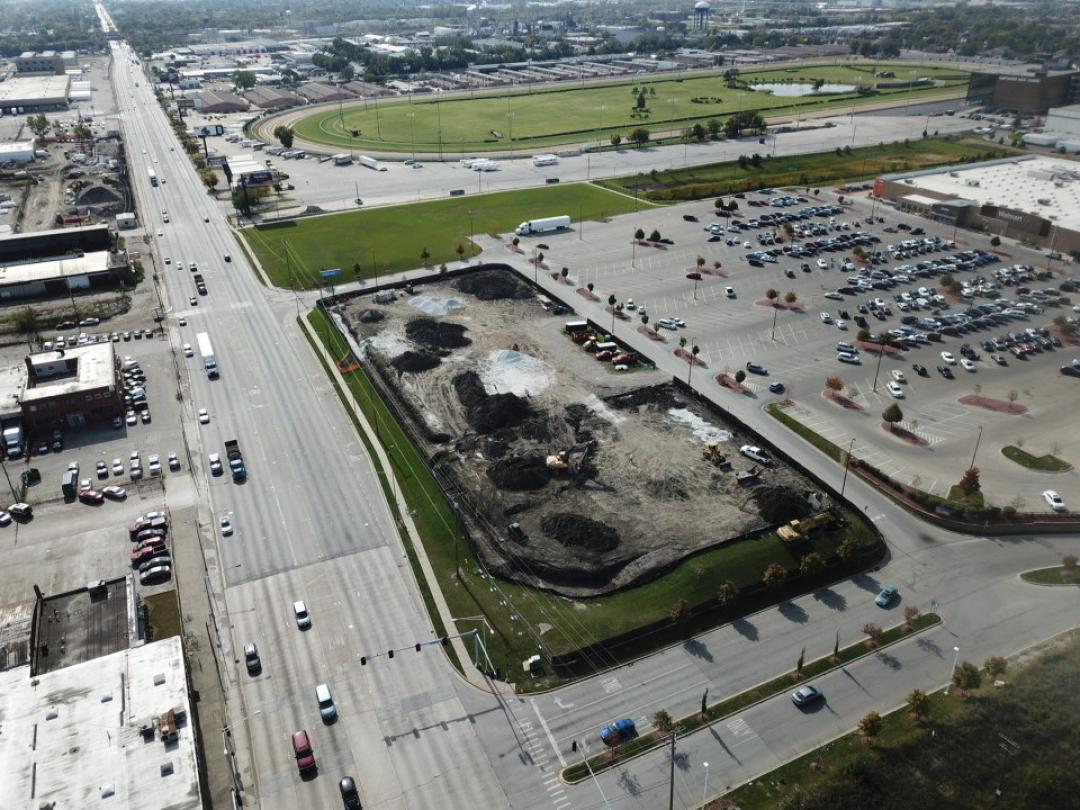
[[1013, 747], [573, 623], [1058, 575], [816, 169], [1046, 463], [389, 240], [525, 119]]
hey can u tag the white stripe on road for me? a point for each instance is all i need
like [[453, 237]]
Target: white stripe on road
[[547, 731]]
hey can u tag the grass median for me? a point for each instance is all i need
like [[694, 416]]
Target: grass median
[[717, 711], [392, 239], [1057, 575], [833, 451], [806, 170], [1044, 463], [521, 618]]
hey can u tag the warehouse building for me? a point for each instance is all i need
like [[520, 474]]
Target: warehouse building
[[270, 98], [17, 152], [317, 93], [57, 242], [113, 732], [23, 94], [71, 388], [96, 270], [1028, 198], [218, 101], [46, 62]]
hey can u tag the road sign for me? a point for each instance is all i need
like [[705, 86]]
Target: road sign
[[332, 272]]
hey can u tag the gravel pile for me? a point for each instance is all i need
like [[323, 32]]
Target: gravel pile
[[579, 531]]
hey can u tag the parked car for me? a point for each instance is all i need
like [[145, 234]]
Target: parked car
[[887, 596], [91, 496], [755, 453], [153, 576], [756, 368], [1054, 501], [805, 695]]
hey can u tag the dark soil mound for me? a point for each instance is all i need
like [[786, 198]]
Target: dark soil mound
[[662, 395], [486, 412], [492, 285], [370, 316], [579, 531], [780, 504], [519, 473], [97, 195], [415, 361], [436, 334]]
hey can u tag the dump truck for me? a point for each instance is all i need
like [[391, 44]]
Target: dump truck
[[800, 529], [236, 459]]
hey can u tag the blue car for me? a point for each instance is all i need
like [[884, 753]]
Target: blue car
[[617, 732], [887, 596]]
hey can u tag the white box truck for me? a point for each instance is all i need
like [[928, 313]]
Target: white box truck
[[206, 351], [532, 227], [371, 163]]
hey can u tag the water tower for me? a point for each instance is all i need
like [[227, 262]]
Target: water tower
[[701, 15]]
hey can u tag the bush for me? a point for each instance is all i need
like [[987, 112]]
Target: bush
[[996, 665]]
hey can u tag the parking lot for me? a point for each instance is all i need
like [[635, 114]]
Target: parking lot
[[797, 344]]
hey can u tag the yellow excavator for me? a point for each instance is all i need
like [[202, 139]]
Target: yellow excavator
[[567, 460], [800, 529], [710, 451]]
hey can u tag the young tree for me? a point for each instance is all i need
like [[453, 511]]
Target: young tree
[[700, 261], [515, 242], [640, 136], [834, 383], [590, 286], [654, 236], [209, 178], [565, 272], [774, 575], [967, 676], [870, 726], [995, 241], [848, 550], [872, 631], [284, 135], [812, 564], [740, 375], [243, 79], [799, 664], [969, 482], [424, 256], [790, 297], [1069, 561], [680, 611], [1012, 396], [996, 665], [727, 593], [460, 250], [639, 234], [893, 415], [772, 295], [616, 139], [919, 704], [663, 722]]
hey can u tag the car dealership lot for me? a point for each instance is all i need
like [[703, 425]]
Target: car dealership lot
[[799, 347]]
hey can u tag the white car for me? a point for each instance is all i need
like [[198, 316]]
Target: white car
[[5, 518], [822, 264], [899, 376], [1054, 501], [204, 416], [948, 358], [114, 492], [132, 418], [895, 390], [967, 364], [841, 325], [117, 467], [155, 465], [755, 453], [226, 526], [848, 357], [188, 352], [729, 292], [160, 232], [825, 317]]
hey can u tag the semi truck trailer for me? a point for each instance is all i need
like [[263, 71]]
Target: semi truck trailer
[[546, 225]]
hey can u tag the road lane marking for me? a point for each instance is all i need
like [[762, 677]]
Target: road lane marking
[[547, 731]]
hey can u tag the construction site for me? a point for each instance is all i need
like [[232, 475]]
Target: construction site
[[578, 468]]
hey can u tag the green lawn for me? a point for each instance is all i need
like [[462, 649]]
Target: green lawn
[[528, 119], [391, 239], [1021, 741], [573, 623], [815, 169], [164, 615], [1046, 463], [1058, 575]]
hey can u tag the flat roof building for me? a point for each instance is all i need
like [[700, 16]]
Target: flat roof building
[[34, 93], [17, 152], [48, 62], [114, 733], [71, 388], [269, 98], [218, 101], [316, 92], [1030, 198]]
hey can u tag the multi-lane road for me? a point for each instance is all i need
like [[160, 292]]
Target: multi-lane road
[[311, 524]]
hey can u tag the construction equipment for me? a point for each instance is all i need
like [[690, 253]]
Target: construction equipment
[[564, 461], [748, 476], [710, 451], [800, 529]]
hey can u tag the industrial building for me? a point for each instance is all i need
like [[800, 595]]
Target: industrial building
[[99, 269], [71, 388], [57, 242], [17, 152], [23, 94], [242, 171], [113, 732], [269, 98], [1028, 198], [316, 93], [218, 101], [1030, 94]]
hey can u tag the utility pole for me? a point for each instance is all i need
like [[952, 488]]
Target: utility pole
[[977, 441], [671, 776], [847, 464]]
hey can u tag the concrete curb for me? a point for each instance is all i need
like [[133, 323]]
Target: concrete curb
[[470, 672]]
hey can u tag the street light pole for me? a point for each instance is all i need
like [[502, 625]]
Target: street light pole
[[705, 790], [952, 674], [847, 464]]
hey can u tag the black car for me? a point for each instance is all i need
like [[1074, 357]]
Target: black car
[[689, 218], [756, 368], [350, 798], [945, 372], [920, 369]]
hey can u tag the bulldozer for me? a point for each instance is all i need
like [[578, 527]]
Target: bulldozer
[[710, 451], [566, 460], [800, 529]]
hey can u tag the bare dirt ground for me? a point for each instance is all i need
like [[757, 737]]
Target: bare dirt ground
[[495, 387]]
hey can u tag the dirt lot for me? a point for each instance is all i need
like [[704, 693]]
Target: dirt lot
[[497, 389]]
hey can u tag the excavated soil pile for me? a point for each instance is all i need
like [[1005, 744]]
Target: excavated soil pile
[[661, 395], [519, 473], [579, 531], [436, 335], [486, 412], [781, 504], [415, 361], [492, 285], [98, 195], [370, 316]]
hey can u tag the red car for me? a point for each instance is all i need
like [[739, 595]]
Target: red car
[[604, 355], [91, 496], [305, 757], [144, 553]]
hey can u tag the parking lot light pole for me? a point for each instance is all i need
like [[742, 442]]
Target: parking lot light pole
[[588, 766], [952, 674], [977, 441], [705, 790], [847, 464]]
